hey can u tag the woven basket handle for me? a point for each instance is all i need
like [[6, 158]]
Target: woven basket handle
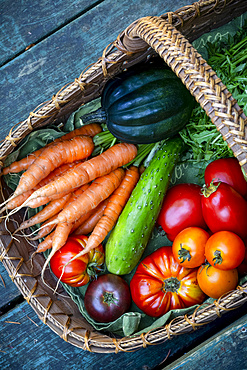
[[197, 76]]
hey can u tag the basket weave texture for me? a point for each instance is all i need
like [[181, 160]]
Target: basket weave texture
[[169, 36]]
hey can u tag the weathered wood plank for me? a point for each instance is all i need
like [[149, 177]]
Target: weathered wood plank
[[25, 342], [226, 350], [9, 293], [41, 71], [23, 23]]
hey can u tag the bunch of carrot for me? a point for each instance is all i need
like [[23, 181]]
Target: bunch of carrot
[[80, 193]]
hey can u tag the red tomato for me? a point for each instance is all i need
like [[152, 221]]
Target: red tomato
[[181, 208], [82, 269], [227, 170], [161, 284], [107, 298], [225, 250], [189, 247], [215, 282], [224, 209]]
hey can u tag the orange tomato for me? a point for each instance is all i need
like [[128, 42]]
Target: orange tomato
[[225, 250], [189, 247], [214, 282]]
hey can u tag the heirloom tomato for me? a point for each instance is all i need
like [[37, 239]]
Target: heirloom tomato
[[225, 250], [107, 298], [161, 284], [224, 209], [181, 208], [79, 271], [189, 247], [215, 282], [227, 170]]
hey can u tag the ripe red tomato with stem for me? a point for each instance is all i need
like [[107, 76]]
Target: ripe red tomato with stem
[[161, 284], [224, 209], [225, 250], [189, 247], [81, 270], [227, 170], [181, 208], [107, 298], [215, 282]]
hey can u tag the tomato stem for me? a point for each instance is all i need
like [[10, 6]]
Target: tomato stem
[[218, 258], [109, 298], [207, 191], [172, 284], [183, 254]]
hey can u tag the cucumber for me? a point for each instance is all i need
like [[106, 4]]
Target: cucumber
[[132, 232]]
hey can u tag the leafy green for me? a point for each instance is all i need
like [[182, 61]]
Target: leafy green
[[228, 58]]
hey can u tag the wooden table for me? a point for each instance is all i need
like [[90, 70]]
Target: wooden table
[[45, 45]]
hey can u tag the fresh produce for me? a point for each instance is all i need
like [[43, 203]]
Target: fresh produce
[[100, 189], [81, 270], [226, 170], [145, 104], [88, 225], [227, 57], [114, 207], [225, 250], [189, 247], [97, 192], [23, 164], [110, 160], [53, 156], [107, 298], [215, 282], [181, 208], [161, 284], [131, 234], [224, 209]]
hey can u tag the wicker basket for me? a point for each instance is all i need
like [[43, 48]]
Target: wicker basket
[[164, 35]]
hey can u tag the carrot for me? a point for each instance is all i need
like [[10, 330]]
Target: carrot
[[87, 226], [52, 157], [20, 199], [45, 229], [50, 210], [99, 190], [114, 157], [116, 203], [85, 203], [45, 244], [91, 130]]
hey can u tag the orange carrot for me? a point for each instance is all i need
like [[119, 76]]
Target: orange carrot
[[45, 244], [114, 157], [99, 190], [114, 207], [20, 199], [47, 212], [91, 129], [45, 229], [87, 226], [52, 157]]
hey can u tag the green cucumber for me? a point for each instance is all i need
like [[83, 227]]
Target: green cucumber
[[132, 232]]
